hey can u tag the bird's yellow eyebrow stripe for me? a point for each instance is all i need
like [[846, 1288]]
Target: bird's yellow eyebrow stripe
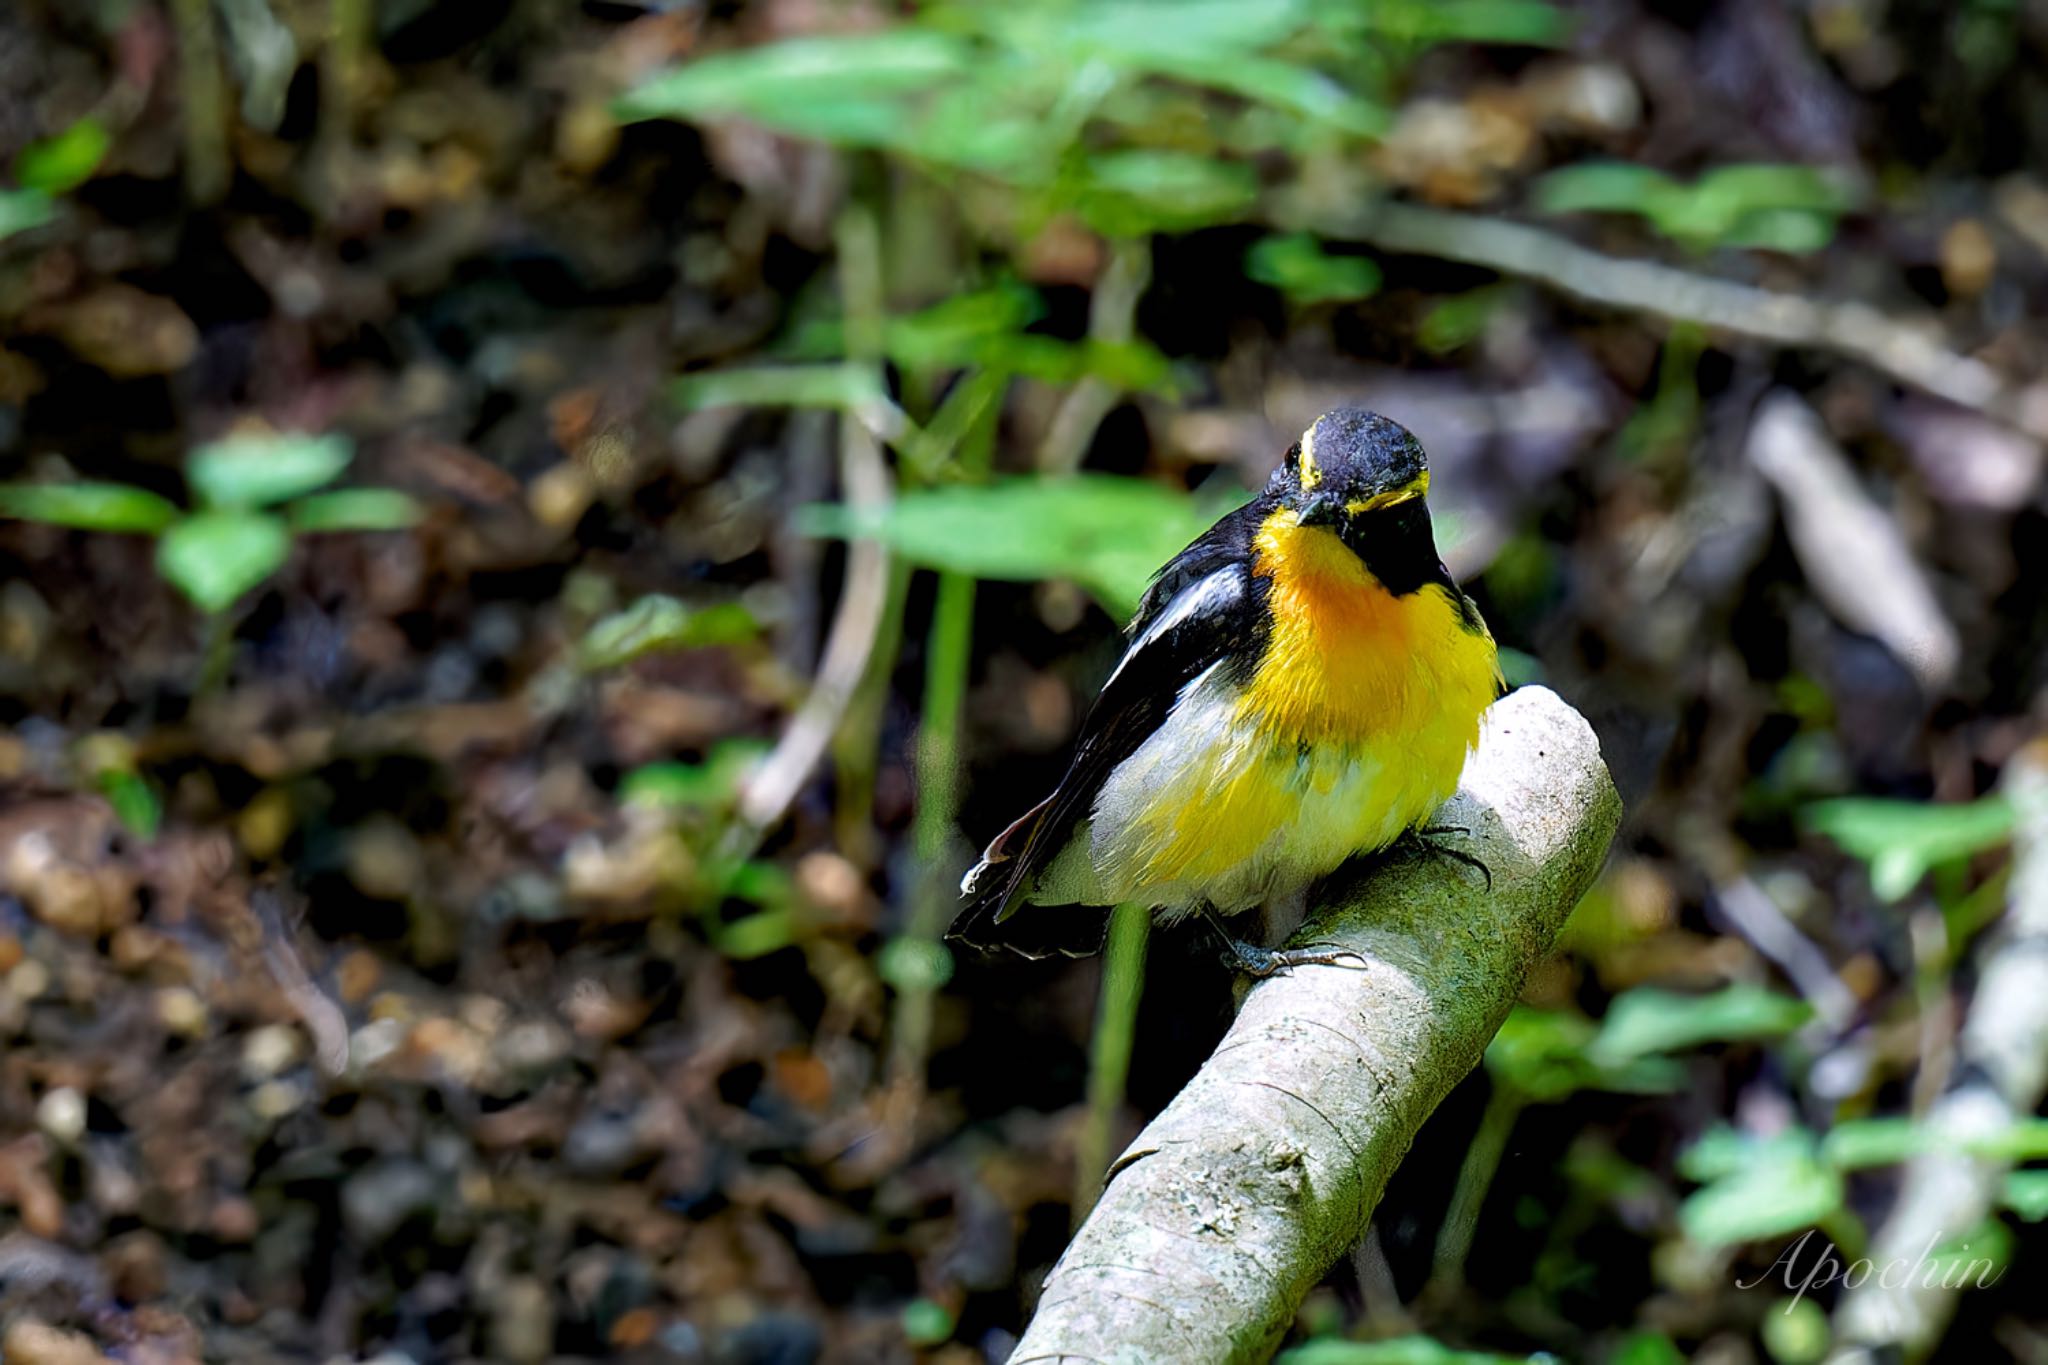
[[1311, 472], [1392, 497]]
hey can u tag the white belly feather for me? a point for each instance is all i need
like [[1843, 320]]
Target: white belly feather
[[1210, 809]]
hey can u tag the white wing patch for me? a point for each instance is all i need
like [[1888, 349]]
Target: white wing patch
[[1209, 596]]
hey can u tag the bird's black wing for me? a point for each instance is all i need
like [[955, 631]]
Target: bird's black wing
[[1202, 607]]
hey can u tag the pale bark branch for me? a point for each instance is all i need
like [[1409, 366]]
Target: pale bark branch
[[1266, 1168], [1910, 350]]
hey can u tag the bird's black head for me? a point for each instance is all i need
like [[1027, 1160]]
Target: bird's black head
[[1364, 478], [1350, 463]]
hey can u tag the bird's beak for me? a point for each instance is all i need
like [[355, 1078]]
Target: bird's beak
[[1322, 509]]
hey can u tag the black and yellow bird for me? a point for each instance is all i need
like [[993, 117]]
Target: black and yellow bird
[[1303, 685]]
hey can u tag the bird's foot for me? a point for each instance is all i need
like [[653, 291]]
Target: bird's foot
[[1265, 962]]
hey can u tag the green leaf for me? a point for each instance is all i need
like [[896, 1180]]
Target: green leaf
[[660, 624], [66, 161], [88, 506], [355, 509], [845, 387], [694, 786], [1409, 1350], [1602, 187], [1649, 1020], [1903, 840], [1529, 23], [2026, 1194], [215, 557], [1757, 1188], [1213, 43], [1792, 231], [21, 210], [1129, 193], [927, 1322], [1457, 321], [1296, 264], [758, 934], [915, 964], [947, 335], [256, 470], [1795, 1332], [1648, 1348], [1109, 534], [1545, 1055], [849, 88], [1856, 1143], [135, 805], [1781, 208]]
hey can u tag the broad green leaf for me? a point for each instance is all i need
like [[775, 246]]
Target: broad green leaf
[[1151, 35], [1213, 43], [88, 506], [944, 336], [135, 804], [258, 469], [915, 964], [21, 210], [1602, 187], [1795, 1332], [1136, 366], [1649, 1020], [66, 161], [1856, 1143], [1410, 1350], [1903, 840], [694, 786], [849, 88], [1529, 23], [1782, 208], [1978, 1258], [1296, 264], [1109, 534], [355, 509], [796, 386], [1543, 1055], [1648, 1348], [1457, 321], [1758, 1188], [1792, 231], [927, 1322], [758, 934], [215, 557], [1128, 193], [659, 624], [2026, 1194]]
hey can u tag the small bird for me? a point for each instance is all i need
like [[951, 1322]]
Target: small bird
[[1303, 685]]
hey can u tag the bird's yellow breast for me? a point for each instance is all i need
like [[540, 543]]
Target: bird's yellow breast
[[1350, 664], [1354, 726]]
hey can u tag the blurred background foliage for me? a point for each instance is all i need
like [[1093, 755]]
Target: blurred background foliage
[[538, 537]]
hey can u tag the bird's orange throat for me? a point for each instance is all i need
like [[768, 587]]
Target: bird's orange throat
[[1348, 662]]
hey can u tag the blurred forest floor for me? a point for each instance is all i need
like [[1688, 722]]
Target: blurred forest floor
[[434, 434]]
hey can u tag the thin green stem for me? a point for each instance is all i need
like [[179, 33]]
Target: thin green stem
[[1475, 1178], [216, 652], [203, 95], [948, 653], [1109, 1054]]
